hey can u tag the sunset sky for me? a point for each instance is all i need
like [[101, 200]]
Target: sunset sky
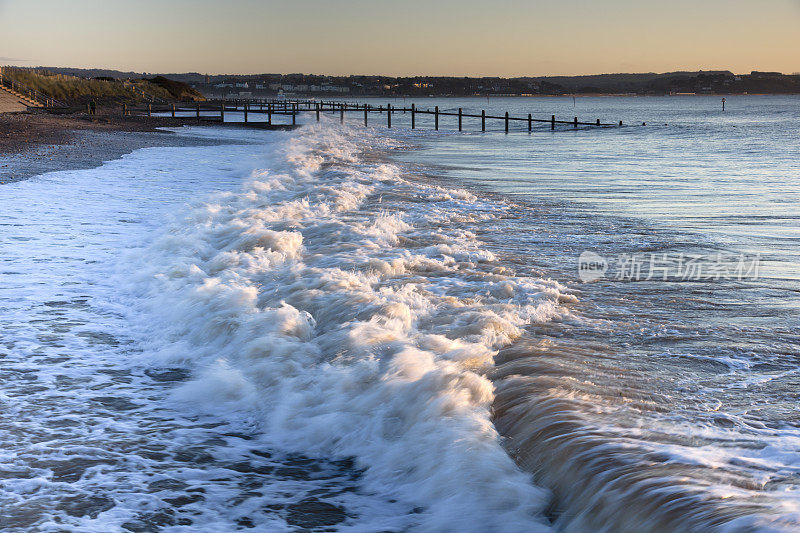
[[447, 37]]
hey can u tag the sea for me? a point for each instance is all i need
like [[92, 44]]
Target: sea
[[349, 328]]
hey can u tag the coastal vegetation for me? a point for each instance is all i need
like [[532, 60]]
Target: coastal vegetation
[[78, 90]]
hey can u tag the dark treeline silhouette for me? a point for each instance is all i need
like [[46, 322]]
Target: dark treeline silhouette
[[702, 82]]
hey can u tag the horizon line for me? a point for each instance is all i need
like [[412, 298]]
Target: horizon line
[[405, 75]]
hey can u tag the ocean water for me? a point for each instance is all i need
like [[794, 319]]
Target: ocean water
[[341, 328]]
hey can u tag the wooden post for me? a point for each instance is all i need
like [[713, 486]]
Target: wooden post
[[269, 114], [222, 112], [553, 122], [436, 118], [620, 123], [389, 115], [575, 123], [366, 112], [506, 121], [459, 119], [124, 109], [317, 106], [483, 120], [413, 116], [245, 113], [598, 121], [197, 109], [294, 116], [530, 123], [341, 114], [149, 110], [173, 110]]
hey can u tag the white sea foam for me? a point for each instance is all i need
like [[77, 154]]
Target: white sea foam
[[324, 308], [352, 311], [328, 304]]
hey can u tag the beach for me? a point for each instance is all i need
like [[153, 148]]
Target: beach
[[372, 330], [32, 143]]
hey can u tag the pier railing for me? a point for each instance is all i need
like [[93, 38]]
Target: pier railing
[[216, 110]]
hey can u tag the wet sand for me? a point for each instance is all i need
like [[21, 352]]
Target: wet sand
[[38, 142]]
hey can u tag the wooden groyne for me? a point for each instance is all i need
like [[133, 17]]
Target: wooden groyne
[[216, 110]]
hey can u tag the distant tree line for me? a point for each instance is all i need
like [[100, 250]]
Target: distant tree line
[[702, 82]]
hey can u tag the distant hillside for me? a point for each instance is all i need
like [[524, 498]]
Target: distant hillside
[[617, 82], [701, 82], [267, 85]]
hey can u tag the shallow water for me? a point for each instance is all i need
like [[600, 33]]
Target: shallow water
[[342, 328], [93, 438], [693, 383]]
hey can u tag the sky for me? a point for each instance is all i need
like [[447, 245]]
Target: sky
[[403, 37]]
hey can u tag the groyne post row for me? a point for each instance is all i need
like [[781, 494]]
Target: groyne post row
[[215, 110]]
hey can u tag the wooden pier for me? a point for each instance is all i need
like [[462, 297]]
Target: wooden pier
[[216, 110]]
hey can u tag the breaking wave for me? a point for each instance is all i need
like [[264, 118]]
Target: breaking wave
[[352, 311]]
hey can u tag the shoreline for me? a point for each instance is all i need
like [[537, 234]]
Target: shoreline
[[34, 143], [565, 95]]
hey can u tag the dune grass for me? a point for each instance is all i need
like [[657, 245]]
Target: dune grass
[[75, 90]]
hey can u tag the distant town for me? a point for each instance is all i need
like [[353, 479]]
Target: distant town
[[270, 85]]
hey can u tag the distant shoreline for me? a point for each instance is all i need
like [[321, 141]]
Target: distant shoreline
[[577, 95], [269, 85]]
